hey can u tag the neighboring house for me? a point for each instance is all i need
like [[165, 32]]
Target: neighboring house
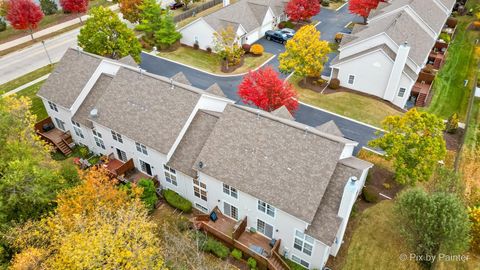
[[385, 57], [295, 183], [250, 19]]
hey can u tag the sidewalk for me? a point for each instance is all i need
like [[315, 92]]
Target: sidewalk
[[20, 88], [44, 32]]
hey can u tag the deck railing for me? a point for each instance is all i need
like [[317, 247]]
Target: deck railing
[[240, 229], [127, 166]]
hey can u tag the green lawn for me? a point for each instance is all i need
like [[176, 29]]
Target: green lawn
[[13, 84], [472, 140], [37, 105], [450, 95], [209, 61], [358, 107]]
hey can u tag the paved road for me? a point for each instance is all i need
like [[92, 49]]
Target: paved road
[[331, 23]]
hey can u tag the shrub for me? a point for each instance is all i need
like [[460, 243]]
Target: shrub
[[387, 185], [69, 173], [196, 46], [369, 195], [216, 248], [289, 24], [452, 123], [183, 224], [338, 37], [177, 201], [445, 37], [237, 254], [83, 151], [252, 263], [209, 50], [281, 25], [3, 25], [325, 3], [149, 195], [246, 48], [256, 49], [334, 84], [48, 7]]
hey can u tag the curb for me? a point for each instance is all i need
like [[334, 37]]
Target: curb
[[209, 73], [20, 88], [341, 116], [336, 10]]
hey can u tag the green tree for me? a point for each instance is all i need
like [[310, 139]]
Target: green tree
[[452, 123], [433, 223], [415, 143], [29, 178], [167, 35], [149, 193], [104, 34], [48, 7], [150, 20], [226, 44]]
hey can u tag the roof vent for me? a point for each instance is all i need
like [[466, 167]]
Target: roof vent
[[306, 131], [201, 165], [141, 71], [353, 180], [94, 113], [171, 83], [258, 114]]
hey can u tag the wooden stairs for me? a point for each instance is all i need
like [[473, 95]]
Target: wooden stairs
[[276, 262], [63, 147], [55, 136]]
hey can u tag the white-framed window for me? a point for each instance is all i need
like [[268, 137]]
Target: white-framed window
[[97, 136], [146, 168], [122, 155], [60, 124], [300, 261], [199, 189], [266, 208], [230, 210], [264, 228], [117, 137], [170, 175], [53, 106], [230, 191], [401, 92], [201, 207], [77, 129], [351, 79], [303, 243], [141, 148]]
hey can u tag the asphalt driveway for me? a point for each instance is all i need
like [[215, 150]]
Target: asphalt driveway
[[331, 23]]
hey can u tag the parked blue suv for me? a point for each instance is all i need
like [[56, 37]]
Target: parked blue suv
[[276, 36]]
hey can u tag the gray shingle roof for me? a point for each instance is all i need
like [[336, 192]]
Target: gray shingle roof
[[128, 60], [145, 108], [283, 113], [216, 90], [72, 73], [248, 13], [400, 27], [272, 159], [431, 13], [330, 127], [183, 159], [98, 89], [181, 78]]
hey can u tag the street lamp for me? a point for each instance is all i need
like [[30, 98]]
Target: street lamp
[[45, 48]]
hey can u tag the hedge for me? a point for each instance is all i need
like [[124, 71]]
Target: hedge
[[216, 248], [370, 195], [177, 201]]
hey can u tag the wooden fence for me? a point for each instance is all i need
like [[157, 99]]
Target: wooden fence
[[195, 10]]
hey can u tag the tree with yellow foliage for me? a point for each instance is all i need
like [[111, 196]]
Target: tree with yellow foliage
[[96, 225], [474, 214], [305, 53]]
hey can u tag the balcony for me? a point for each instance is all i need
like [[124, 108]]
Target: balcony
[[421, 89], [234, 234], [124, 171], [61, 140]]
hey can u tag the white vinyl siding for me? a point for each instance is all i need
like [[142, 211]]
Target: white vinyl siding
[[60, 124], [199, 189], [401, 92], [77, 129], [98, 139], [351, 79], [117, 137], [53, 106]]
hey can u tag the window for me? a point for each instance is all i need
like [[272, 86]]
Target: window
[[230, 210], [145, 167], [98, 139], [60, 124], [351, 79], [303, 243], [53, 106], [117, 137], [264, 228], [201, 208], [401, 93], [141, 148], [266, 208], [230, 191], [199, 189], [300, 261], [77, 129], [121, 155], [170, 175]]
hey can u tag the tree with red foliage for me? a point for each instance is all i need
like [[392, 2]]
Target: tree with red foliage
[[302, 10], [267, 91], [75, 6], [23, 14], [363, 7]]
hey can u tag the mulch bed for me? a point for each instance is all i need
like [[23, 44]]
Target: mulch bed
[[242, 265], [379, 178], [312, 84], [454, 140]]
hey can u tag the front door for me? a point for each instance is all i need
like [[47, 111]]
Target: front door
[[121, 155], [145, 167], [264, 228], [230, 210]]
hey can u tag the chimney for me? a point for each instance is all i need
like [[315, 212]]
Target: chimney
[[226, 3], [348, 198], [393, 85]]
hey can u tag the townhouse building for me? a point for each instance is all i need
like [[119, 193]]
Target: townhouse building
[[280, 179]]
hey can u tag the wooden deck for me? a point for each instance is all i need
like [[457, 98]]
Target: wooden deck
[[255, 239], [60, 139], [124, 171]]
